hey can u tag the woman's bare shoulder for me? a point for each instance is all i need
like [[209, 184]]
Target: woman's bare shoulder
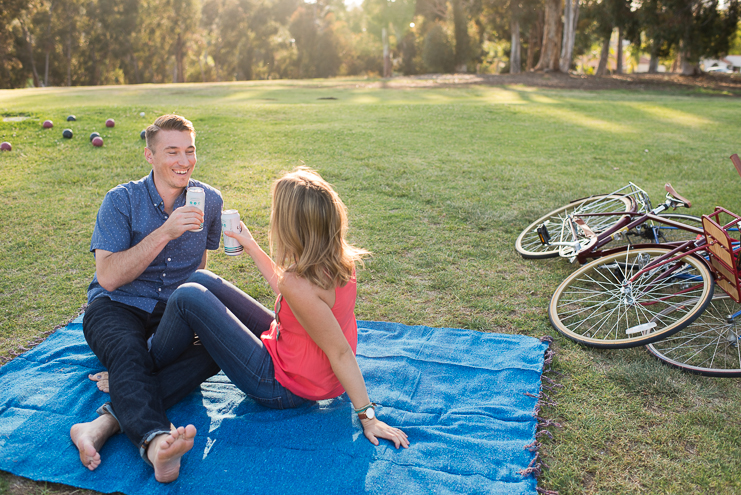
[[294, 286]]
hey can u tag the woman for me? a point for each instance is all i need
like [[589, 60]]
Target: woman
[[306, 351]]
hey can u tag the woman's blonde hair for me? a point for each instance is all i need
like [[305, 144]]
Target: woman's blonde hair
[[308, 224]]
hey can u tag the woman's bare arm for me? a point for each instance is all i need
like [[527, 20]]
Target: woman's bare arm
[[315, 315]]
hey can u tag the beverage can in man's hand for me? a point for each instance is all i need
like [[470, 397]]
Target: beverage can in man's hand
[[230, 221], [196, 196]]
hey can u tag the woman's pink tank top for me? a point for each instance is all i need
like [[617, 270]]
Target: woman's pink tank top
[[300, 365]]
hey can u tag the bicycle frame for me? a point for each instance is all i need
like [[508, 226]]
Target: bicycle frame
[[575, 250]]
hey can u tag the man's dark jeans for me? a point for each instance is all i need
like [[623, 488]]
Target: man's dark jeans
[[117, 333]]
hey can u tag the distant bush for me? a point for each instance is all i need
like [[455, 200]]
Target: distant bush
[[409, 54], [437, 54]]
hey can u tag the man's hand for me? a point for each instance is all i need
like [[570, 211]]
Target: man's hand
[[116, 269], [182, 220]]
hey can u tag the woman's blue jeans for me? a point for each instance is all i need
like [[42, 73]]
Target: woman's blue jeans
[[228, 324]]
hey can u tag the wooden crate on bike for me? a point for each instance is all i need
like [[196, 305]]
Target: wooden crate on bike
[[720, 244]]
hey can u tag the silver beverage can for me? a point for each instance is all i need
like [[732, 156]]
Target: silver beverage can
[[196, 196], [230, 221]]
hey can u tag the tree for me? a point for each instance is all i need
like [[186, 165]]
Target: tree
[[549, 53], [571, 17], [12, 70], [437, 54]]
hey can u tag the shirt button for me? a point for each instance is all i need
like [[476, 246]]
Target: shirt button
[[160, 289], [169, 259], [165, 216], [164, 274]]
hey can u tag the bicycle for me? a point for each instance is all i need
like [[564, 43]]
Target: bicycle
[[622, 217], [641, 296], [662, 297]]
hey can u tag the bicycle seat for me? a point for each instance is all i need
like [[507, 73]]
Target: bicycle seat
[[674, 193]]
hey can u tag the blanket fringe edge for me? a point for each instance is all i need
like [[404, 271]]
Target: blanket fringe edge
[[537, 464]]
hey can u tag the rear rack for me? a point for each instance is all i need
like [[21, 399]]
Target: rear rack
[[723, 250]]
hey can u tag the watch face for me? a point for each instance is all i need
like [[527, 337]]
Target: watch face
[[370, 413]]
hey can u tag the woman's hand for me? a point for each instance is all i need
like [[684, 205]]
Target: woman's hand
[[244, 238], [375, 429]]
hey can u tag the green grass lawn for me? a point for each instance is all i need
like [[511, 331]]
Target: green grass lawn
[[439, 183]]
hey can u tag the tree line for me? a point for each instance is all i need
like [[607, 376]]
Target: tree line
[[94, 42]]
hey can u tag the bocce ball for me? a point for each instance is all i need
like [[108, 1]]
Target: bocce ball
[[94, 135], [97, 141], [142, 114], [48, 124], [6, 146], [71, 118], [110, 123], [143, 134], [67, 133]]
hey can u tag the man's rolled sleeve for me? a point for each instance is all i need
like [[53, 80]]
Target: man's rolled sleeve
[[113, 224]]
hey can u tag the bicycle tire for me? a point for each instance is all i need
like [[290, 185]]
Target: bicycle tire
[[708, 346], [528, 243], [593, 307]]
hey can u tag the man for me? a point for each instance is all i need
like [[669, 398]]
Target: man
[[145, 246]]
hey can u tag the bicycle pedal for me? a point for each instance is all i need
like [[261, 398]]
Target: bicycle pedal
[[545, 237]]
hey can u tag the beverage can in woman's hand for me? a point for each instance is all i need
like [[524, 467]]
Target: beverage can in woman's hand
[[230, 221], [196, 196]]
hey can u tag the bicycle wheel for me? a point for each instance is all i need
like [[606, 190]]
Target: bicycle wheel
[[596, 306], [707, 346], [528, 242], [645, 233]]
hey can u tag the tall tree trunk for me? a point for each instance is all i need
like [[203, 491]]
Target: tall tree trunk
[[551, 36], [534, 40], [515, 61], [462, 40], [48, 46], [386, 53], [4, 66], [46, 69], [94, 80], [69, 59], [29, 42], [200, 61], [619, 63], [135, 62], [653, 65], [179, 56], [602, 67], [686, 66], [571, 16]]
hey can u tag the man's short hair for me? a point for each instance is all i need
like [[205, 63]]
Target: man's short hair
[[169, 122]]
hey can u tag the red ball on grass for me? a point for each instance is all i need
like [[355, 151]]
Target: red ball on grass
[[5, 146], [48, 124], [110, 123], [97, 141]]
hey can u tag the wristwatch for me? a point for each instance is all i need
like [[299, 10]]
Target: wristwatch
[[367, 412]]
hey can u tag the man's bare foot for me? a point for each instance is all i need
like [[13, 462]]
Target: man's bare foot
[[102, 379], [166, 450], [90, 437]]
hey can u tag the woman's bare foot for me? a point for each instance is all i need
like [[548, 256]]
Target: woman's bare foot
[[102, 379], [165, 452], [90, 437]]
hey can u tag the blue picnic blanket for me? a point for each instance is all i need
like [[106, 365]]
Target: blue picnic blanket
[[459, 395]]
